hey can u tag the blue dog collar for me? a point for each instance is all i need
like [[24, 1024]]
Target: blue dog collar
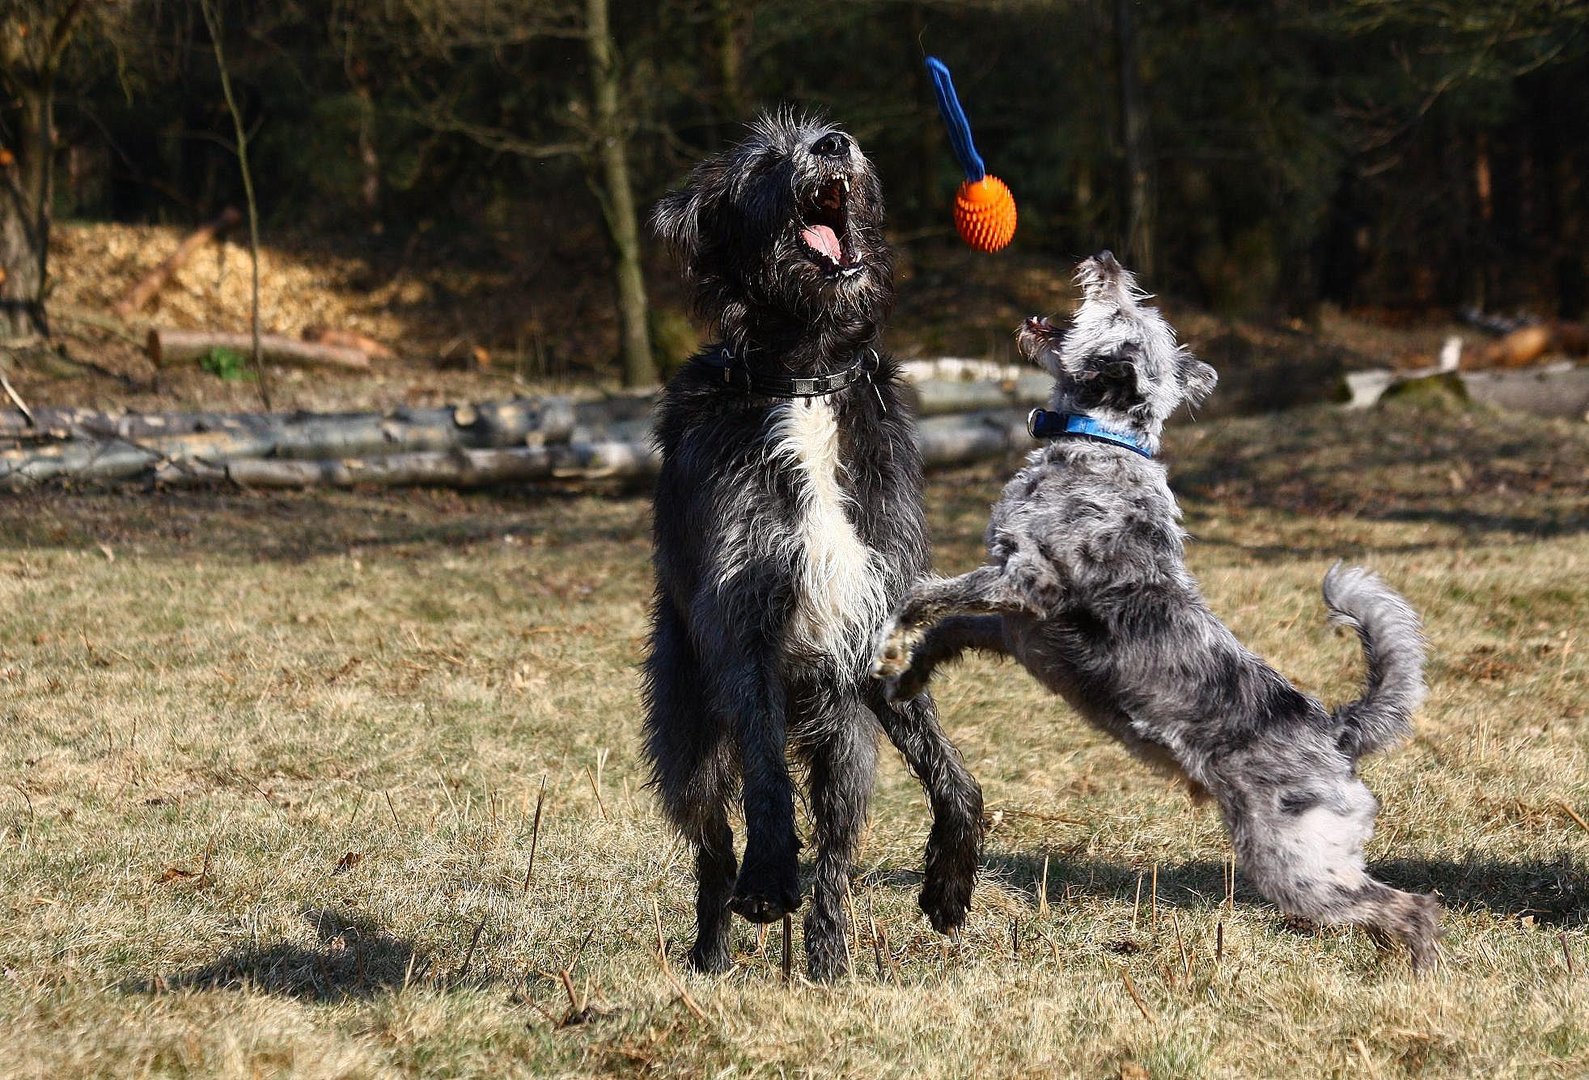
[[1051, 425]]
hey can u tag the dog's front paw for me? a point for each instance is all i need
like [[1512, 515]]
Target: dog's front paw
[[892, 658], [945, 900], [767, 889]]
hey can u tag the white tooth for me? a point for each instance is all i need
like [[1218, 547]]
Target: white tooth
[[846, 185]]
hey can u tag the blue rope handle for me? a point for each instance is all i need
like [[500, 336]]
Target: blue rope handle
[[954, 118]]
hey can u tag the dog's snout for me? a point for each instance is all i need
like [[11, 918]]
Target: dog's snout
[[833, 144], [1106, 259]]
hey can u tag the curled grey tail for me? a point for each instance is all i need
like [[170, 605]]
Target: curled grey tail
[[1393, 647]]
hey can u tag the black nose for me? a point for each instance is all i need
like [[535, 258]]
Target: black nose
[[833, 144], [1105, 258]]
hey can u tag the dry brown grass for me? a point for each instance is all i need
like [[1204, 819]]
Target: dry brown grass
[[210, 701]]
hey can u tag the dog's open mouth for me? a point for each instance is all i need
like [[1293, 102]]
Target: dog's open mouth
[[825, 227]]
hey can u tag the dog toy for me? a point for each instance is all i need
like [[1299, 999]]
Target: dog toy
[[984, 208]]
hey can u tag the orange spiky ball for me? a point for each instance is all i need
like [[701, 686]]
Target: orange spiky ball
[[985, 213], [984, 210]]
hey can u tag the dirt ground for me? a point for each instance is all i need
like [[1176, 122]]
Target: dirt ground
[[482, 319]]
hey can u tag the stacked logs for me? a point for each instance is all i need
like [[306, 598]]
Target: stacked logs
[[546, 439]]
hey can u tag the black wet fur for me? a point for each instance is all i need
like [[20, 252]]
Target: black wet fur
[[785, 531]]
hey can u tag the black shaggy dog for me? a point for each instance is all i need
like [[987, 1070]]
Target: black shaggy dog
[[788, 524]]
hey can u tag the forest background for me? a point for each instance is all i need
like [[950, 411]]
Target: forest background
[[1258, 160]]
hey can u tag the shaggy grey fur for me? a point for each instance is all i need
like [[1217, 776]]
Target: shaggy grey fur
[[1087, 588], [786, 530]]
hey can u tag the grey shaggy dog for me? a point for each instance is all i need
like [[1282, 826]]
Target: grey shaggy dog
[[788, 524], [1087, 587]]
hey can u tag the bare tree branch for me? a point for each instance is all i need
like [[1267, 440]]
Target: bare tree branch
[[212, 20]]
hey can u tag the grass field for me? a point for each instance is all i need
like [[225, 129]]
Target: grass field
[[269, 770]]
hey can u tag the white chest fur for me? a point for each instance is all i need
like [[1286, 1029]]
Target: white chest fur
[[841, 592]]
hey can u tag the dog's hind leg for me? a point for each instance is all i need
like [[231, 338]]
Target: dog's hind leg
[[954, 846], [944, 643], [768, 886], [692, 767], [1305, 853], [743, 684], [842, 764]]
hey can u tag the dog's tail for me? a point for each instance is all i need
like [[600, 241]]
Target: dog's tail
[[1393, 646]]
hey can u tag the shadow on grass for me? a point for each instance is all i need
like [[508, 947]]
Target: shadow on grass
[[1483, 471], [354, 959], [1555, 893], [293, 526]]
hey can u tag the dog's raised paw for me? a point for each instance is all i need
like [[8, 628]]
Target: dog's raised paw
[[893, 657], [763, 893], [945, 902], [758, 908]]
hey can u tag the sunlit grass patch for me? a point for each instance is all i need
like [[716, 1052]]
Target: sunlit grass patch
[[270, 771]]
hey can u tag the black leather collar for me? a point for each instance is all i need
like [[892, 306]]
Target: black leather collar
[[737, 373]]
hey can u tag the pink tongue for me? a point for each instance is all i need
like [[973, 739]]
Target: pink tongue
[[821, 238]]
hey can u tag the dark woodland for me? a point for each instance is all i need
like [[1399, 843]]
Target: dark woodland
[[1255, 159]]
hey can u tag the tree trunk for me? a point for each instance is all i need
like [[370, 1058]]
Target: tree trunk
[[25, 213], [730, 57], [369, 158], [1481, 292], [1134, 135], [617, 200]]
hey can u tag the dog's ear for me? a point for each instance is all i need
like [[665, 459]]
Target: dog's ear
[[1197, 378], [677, 221]]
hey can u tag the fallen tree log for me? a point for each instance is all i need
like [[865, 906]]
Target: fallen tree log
[[944, 441], [95, 447], [554, 415], [471, 446], [972, 437], [937, 397], [179, 346], [1559, 389], [146, 287], [350, 339], [58, 423], [457, 468], [622, 417], [95, 461], [961, 369], [580, 440]]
